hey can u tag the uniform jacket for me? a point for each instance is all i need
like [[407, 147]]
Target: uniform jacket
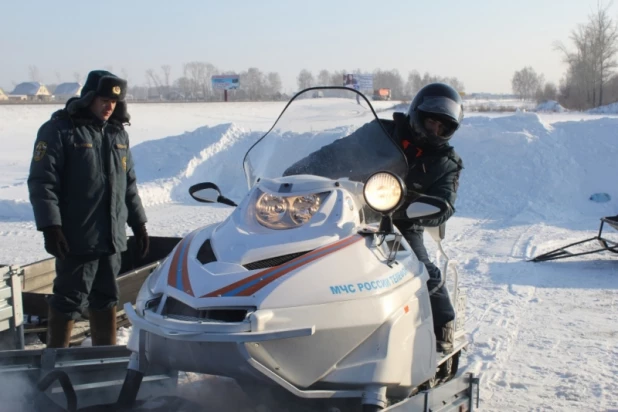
[[82, 178]]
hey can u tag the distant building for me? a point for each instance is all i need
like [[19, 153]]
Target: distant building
[[30, 91], [65, 91], [3, 96]]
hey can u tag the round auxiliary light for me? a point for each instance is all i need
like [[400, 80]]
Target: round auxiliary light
[[384, 192]]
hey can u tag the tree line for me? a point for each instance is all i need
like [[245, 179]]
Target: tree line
[[194, 83], [590, 79]]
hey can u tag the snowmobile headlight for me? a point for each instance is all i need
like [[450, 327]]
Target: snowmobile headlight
[[304, 207], [384, 192], [271, 209], [287, 212]]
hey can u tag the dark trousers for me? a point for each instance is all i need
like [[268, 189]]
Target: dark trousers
[[441, 307], [85, 282]]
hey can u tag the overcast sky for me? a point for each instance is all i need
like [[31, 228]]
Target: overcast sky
[[481, 42]]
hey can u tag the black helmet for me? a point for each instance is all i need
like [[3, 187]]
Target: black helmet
[[438, 101]]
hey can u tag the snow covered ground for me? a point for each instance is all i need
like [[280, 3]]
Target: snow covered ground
[[544, 335]]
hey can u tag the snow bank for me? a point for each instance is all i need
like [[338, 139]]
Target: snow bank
[[167, 167], [519, 164], [512, 163], [550, 106], [607, 109]]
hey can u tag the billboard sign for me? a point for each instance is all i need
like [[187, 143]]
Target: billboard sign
[[358, 81], [225, 82]]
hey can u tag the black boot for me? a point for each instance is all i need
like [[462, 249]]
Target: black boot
[[444, 338]]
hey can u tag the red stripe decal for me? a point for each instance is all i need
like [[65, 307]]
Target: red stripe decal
[[171, 274], [251, 290], [185, 270], [291, 265]]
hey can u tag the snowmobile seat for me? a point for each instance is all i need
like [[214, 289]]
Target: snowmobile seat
[[606, 244]]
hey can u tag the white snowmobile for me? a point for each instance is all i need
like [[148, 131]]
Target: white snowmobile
[[307, 291]]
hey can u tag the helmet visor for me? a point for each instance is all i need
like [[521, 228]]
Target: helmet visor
[[442, 105]]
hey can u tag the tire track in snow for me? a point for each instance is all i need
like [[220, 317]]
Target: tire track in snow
[[498, 308]]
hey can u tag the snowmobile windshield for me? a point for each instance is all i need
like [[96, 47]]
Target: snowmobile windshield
[[330, 132]]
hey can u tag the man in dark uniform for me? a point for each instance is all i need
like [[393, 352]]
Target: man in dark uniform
[[433, 169], [83, 192]]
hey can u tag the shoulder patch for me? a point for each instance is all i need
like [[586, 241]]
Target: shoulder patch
[[40, 150]]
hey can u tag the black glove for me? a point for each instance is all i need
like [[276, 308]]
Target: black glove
[[142, 241], [55, 242]]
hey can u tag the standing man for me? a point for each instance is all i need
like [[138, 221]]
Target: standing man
[[83, 191]]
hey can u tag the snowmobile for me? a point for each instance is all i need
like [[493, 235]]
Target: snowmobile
[[307, 295]]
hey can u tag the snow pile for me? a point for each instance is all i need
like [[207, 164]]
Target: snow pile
[[550, 106], [167, 167], [607, 109], [512, 163], [519, 164]]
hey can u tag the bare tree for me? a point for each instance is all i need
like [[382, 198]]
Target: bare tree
[[199, 74], [274, 84], [58, 77], [592, 63], [579, 81], [605, 47], [254, 84], [77, 77], [413, 85], [548, 92], [184, 84], [167, 69], [304, 79], [416, 82], [336, 78], [526, 83], [324, 78], [153, 79], [389, 79], [35, 75]]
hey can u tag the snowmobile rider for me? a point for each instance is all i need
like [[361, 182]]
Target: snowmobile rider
[[434, 167], [423, 133], [83, 190]]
